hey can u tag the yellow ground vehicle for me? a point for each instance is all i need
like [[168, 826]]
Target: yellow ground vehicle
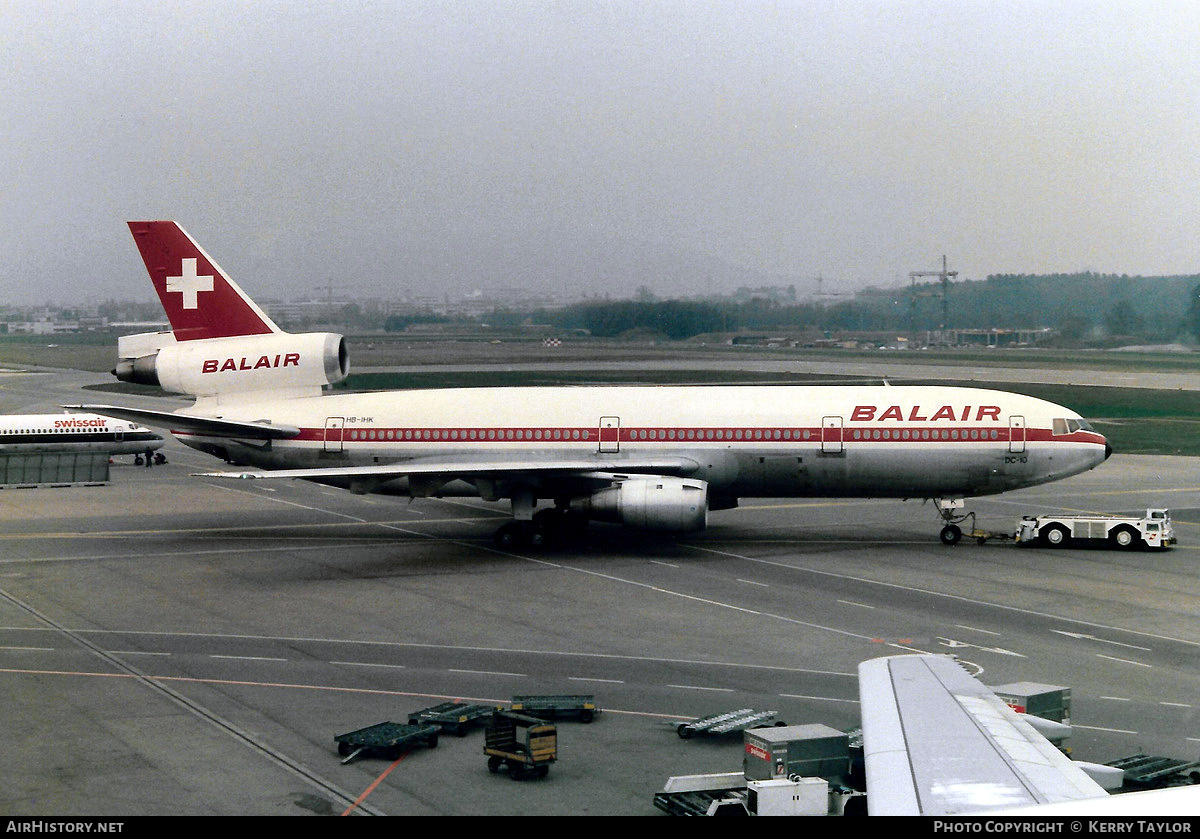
[[526, 745]]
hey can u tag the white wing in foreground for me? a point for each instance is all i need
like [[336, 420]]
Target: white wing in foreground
[[938, 742]]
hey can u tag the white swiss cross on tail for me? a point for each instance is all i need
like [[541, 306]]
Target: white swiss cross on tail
[[190, 284]]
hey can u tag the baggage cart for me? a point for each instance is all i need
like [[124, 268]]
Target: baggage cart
[[1144, 771], [726, 723], [387, 739], [457, 717], [550, 707], [526, 745]]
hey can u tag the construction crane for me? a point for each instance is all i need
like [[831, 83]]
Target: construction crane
[[945, 277]]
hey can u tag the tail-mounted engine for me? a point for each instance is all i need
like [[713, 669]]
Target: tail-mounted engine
[[298, 364], [674, 505]]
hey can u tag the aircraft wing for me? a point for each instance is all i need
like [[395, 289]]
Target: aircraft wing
[[938, 742], [600, 469], [197, 425]]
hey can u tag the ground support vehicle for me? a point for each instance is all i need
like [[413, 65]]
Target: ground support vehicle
[[457, 717], [1126, 532], [726, 723], [732, 794], [387, 739], [1149, 772], [526, 745], [700, 795], [551, 707]]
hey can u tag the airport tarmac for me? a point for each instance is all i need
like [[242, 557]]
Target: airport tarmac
[[184, 646]]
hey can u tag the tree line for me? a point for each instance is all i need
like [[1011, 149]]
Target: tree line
[[1082, 308]]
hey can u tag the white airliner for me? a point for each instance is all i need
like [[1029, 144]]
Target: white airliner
[[21, 433], [652, 458]]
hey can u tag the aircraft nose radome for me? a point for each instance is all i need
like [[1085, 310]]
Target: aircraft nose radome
[[1107, 451]]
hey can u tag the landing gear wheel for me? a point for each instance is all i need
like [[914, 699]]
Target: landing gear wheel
[[951, 534], [536, 537], [509, 536]]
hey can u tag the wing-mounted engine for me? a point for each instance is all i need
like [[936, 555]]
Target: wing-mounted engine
[[279, 363], [673, 505]]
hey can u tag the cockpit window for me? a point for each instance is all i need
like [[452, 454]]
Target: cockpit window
[[1071, 425]]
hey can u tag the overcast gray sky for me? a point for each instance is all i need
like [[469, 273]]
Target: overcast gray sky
[[584, 146]]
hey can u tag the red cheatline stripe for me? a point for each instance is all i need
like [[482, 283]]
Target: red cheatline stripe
[[676, 434]]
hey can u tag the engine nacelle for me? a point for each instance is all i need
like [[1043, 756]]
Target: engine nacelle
[[279, 361], [673, 505]]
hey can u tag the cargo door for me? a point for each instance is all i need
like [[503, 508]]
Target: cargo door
[[1016, 434], [335, 429], [610, 434]]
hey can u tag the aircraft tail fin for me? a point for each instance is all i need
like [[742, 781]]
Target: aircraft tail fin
[[200, 299]]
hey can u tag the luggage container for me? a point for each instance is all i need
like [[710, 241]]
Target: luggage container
[[810, 751]]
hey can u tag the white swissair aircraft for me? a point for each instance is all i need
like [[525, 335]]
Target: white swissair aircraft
[[651, 458], [74, 432]]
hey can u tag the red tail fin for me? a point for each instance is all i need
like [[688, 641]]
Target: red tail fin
[[199, 298]]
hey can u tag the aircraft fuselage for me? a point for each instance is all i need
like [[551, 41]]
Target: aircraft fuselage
[[745, 441]]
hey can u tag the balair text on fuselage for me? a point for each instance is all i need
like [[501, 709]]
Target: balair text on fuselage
[[870, 413]]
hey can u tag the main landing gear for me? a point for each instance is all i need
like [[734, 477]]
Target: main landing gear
[[544, 528]]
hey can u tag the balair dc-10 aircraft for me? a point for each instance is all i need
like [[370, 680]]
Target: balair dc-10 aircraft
[[21, 433], [651, 458]]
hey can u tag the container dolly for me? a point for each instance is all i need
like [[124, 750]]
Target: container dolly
[[386, 738], [726, 723], [1144, 771], [452, 716], [551, 706]]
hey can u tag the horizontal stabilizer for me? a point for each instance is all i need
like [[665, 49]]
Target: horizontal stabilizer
[[207, 426]]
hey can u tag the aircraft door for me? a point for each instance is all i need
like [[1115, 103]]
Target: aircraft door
[[610, 434], [334, 433], [831, 435], [1016, 434]]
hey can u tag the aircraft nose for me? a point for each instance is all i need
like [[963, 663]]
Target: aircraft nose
[[1107, 450]]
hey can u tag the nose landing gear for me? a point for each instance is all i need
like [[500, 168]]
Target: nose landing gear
[[948, 509], [953, 530]]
